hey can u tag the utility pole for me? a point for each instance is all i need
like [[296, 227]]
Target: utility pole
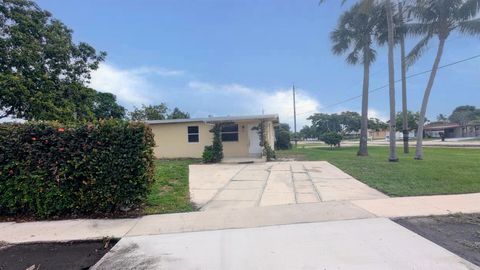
[[294, 118]]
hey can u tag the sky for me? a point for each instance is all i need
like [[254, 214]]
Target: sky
[[217, 57]]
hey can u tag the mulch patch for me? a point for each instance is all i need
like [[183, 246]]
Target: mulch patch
[[459, 233], [44, 256]]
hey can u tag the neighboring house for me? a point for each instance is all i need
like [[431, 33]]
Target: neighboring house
[[399, 135], [452, 130], [377, 134], [186, 138]]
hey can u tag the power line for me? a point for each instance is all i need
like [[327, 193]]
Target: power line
[[399, 80]]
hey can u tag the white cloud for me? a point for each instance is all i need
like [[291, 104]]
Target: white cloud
[[164, 72], [249, 100], [372, 113], [129, 86]]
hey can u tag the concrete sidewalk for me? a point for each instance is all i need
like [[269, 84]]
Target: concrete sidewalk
[[376, 243], [83, 229]]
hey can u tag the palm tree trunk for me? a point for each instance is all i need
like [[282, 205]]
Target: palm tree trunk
[[404, 86], [421, 122], [363, 151], [391, 82]]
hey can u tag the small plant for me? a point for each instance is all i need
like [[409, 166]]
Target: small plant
[[207, 155], [332, 139], [214, 153], [268, 152]]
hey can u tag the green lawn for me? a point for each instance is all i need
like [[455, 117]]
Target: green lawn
[[170, 192], [443, 170]]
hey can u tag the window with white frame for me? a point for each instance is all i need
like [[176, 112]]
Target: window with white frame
[[193, 134], [230, 133]]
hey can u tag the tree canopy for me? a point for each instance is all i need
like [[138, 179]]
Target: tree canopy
[[412, 119], [464, 114], [343, 123], [282, 136], [178, 114], [105, 106], [42, 71], [156, 112]]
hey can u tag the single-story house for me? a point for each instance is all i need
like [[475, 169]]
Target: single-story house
[[452, 130], [187, 138]]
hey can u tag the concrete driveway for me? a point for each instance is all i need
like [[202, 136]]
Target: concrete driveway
[[234, 186], [376, 243]]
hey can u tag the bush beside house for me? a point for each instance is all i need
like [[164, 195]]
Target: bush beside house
[[214, 153], [48, 169]]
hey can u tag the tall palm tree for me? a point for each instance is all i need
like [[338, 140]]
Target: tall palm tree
[[391, 82], [401, 34], [355, 34], [439, 18]]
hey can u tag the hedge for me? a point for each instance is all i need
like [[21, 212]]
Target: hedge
[[49, 169]]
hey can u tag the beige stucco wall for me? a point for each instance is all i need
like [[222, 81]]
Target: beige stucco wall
[[171, 140]]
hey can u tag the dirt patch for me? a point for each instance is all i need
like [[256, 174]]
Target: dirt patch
[[42, 256], [458, 233]]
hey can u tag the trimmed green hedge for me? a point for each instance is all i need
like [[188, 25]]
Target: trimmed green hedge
[[48, 169]]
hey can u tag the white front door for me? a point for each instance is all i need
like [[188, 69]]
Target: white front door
[[254, 148]]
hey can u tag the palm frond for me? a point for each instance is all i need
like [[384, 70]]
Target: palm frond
[[419, 28], [471, 27], [323, 1], [469, 9], [352, 58], [418, 50]]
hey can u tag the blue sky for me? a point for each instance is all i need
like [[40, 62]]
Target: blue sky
[[217, 57]]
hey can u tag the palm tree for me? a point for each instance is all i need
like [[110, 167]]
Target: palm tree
[[391, 81], [401, 34], [355, 34], [439, 18]]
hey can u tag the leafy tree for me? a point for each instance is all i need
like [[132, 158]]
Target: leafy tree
[[150, 112], [350, 121], [412, 119], [323, 122], [332, 139], [439, 18], [308, 132], [377, 124], [462, 115], [42, 71], [282, 137], [442, 118], [178, 114], [355, 34], [105, 106]]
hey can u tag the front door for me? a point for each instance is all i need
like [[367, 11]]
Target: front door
[[254, 148]]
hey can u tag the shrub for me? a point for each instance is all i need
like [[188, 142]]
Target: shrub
[[207, 155], [48, 169], [214, 153], [217, 146], [332, 139], [268, 152], [282, 139]]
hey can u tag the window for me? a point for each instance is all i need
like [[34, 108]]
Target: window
[[230, 133], [193, 134]]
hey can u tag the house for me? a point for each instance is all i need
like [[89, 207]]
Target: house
[[399, 135], [452, 130], [187, 138], [377, 134]]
